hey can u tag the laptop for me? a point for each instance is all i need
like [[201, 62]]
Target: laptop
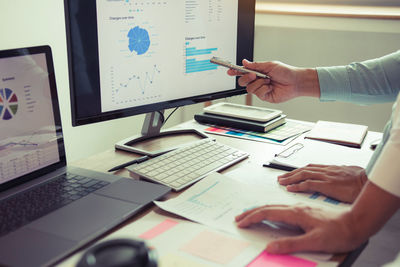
[[48, 209]]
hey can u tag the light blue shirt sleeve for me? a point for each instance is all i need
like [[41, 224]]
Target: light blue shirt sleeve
[[371, 81], [368, 82]]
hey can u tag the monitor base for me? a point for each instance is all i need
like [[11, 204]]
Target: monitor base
[[153, 142]]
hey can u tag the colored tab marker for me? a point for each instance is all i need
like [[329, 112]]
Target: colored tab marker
[[271, 260], [158, 229]]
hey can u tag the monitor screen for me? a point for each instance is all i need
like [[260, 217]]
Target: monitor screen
[[132, 57]]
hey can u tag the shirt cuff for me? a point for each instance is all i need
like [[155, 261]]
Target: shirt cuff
[[334, 83]]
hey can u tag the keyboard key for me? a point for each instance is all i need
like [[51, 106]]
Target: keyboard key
[[90, 183]]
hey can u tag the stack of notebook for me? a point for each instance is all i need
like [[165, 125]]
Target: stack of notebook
[[244, 124], [250, 122]]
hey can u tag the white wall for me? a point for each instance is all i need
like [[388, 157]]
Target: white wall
[[294, 40], [316, 41]]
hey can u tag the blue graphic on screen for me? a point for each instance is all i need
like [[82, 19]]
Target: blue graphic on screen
[[139, 40], [195, 65]]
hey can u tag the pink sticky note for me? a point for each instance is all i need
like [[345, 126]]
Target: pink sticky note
[[158, 229], [272, 260]]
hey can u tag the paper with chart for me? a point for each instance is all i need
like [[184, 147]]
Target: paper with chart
[[217, 199]]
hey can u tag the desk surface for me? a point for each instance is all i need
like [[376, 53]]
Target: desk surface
[[259, 153]]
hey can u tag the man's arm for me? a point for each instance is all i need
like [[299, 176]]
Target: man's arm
[[372, 81]]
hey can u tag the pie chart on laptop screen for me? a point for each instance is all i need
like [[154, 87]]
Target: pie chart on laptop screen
[[8, 104]]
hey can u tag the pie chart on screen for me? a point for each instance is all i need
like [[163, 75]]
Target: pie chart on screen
[[8, 104]]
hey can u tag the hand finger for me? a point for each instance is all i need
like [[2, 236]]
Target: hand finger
[[255, 86], [247, 79], [244, 214], [263, 67], [314, 167], [311, 186], [233, 72], [319, 165], [309, 167], [263, 91], [326, 188], [303, 175], [284, 214], [305, 242], [289, 174]]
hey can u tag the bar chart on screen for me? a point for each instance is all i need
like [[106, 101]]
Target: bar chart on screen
[[198, 59]]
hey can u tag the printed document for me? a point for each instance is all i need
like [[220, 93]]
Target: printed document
[[217, 199]]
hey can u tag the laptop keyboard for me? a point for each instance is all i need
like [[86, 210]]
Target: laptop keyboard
[[32, 204]]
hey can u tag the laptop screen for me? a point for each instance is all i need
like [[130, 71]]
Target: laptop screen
[[29, 133]]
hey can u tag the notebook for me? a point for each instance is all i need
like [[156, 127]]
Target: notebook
[[346, 134], [47, 209]]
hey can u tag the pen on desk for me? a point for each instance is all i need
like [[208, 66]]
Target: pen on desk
[[138, 160], [279, 167]]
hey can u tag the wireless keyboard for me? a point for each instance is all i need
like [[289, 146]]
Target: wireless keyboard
[[186, 165]]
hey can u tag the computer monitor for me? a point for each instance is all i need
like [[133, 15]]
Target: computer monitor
[[132, 57]]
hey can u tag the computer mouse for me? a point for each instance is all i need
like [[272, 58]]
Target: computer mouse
[[119, 253]]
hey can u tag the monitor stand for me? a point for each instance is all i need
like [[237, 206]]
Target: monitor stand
[[154, 142]]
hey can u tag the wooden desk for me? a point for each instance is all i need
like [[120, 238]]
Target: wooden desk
[[259, 153]]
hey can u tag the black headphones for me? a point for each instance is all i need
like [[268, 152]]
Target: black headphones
[[119, 253]]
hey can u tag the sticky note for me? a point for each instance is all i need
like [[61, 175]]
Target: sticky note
[[176, 260], [215, 247], [278, 260], [158, 229]]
